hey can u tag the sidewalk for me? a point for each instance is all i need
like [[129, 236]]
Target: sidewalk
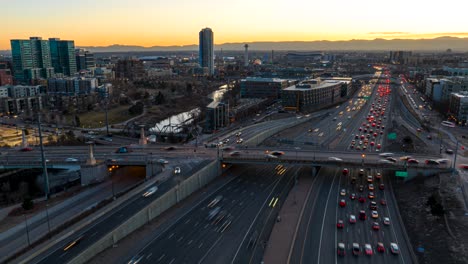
[[39, 216], [283, 232], [64, 234], [16, 237]]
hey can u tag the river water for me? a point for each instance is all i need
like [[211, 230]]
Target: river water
[[171, 124]]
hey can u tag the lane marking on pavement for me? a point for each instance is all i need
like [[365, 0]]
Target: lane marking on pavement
[[149, 256], [171, 235], [324, 216], [161, 257], [190, 242], [206, 226], [172, 261], [63, 254], [188, 220], [180, 238], [201, 244], [93, 234], [196, 224]]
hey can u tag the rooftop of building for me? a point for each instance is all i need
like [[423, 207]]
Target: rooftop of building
[[461, 94], [313, 84], [260, 79]]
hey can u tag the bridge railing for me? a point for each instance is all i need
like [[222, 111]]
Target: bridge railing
[[327, 162]]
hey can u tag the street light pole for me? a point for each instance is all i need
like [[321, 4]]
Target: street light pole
[[43, 159], [455, 156], [27, 229], [48, 220], [107, 119], [440, 139]]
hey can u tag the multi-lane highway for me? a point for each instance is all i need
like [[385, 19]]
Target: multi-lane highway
[[318, 235], [235, 230], [220, 229], [91, 233]]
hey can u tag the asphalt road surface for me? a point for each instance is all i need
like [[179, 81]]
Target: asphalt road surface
[[105, 224], [195, 238], [319, 236]]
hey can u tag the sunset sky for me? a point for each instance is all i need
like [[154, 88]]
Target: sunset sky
[[177, 22]]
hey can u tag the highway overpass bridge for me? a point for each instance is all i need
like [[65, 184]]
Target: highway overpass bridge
[[348, 163]]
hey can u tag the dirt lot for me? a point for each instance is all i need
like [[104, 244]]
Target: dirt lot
[[433, 233]]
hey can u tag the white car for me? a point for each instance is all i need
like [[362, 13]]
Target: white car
[[385, 161], [334, 158], [386, 154], [442, 161], [269, 156], [394, 248], [71, 160], [150, 191], [386, 221], [177, 170]]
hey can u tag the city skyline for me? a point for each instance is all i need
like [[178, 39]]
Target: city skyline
[[157, 23]]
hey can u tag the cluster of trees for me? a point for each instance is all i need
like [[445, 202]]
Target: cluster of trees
[[434, 201], [136, 109]]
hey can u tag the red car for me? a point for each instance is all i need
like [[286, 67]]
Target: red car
[[463, 166], [362, 215], [340, 224], [345, 172], [383, 202], [413, 161], [375, 226], [368, 250], [380, 247], [379, 146], [342, 203], [362, 199], [26, 149]]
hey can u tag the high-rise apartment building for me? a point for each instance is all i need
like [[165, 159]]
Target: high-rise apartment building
[[62, 55], [35, 58], [206, 50], [31, 59]]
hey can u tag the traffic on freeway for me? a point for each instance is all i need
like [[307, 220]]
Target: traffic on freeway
[[83, 238], [220, 228], [350, 218]]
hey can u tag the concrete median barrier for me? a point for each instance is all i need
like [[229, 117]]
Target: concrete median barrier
[[153, 210]]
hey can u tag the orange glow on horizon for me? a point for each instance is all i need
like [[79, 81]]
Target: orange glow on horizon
[[93, 40]]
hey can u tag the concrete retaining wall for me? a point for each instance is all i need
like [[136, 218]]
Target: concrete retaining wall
[[93, 173], [153, 210]]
